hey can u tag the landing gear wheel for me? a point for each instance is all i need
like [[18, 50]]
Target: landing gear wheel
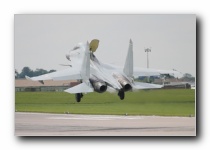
[[78, 97], [121, 94]]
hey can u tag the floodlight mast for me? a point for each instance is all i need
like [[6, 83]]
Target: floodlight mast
[[147, 50]]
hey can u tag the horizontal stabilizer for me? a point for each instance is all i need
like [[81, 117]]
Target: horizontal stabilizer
[[81, 88], [142, 86]]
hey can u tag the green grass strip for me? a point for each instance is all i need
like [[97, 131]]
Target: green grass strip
[[178, 102]]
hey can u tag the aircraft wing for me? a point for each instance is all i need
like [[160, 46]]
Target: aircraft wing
[[142, 86], [67, 74], [80, 68], [153, 72]]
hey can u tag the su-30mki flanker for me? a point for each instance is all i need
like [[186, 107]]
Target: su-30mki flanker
[[94, 75]]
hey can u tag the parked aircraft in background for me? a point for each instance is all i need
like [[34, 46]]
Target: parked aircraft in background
[[94, 75]]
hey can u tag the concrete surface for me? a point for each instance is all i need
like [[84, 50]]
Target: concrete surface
[[41, 124]]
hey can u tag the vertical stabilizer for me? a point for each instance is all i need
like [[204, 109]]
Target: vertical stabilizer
[[128, 67], [85, 70], [85, 86]]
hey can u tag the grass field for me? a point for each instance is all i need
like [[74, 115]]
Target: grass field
[[179, 102]]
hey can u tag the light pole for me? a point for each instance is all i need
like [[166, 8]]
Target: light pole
[[147, 50]]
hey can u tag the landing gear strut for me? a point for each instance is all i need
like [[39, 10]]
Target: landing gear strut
[[121, 94], [78, 97]]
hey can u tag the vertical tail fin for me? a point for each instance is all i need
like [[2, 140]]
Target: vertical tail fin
[[85, 70], [85, 86], [128, 67]]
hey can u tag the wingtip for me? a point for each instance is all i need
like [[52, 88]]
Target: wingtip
[[27, 77]]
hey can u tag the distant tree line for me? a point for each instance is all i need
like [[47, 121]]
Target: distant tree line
[[188, 77], [26, 71]]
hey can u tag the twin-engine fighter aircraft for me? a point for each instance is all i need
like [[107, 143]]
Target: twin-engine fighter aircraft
[[94, 75]]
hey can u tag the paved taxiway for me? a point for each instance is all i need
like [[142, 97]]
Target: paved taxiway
[[40, 124]]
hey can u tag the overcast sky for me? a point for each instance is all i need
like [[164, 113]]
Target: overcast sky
[[42, 41]]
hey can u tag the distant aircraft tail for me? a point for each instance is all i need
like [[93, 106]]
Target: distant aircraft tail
[[128, 67]]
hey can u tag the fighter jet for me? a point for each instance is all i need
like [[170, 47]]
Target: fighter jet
[[95, 76]]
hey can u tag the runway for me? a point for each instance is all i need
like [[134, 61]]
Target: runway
[[41, 124]]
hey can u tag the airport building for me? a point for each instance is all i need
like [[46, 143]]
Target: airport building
[[23, 85], [173, 83]]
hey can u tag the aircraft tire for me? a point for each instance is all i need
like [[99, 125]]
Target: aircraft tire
[[121, 94], [78, 97]]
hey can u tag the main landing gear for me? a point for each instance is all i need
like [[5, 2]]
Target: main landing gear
[[78, 97], [121, 94]]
